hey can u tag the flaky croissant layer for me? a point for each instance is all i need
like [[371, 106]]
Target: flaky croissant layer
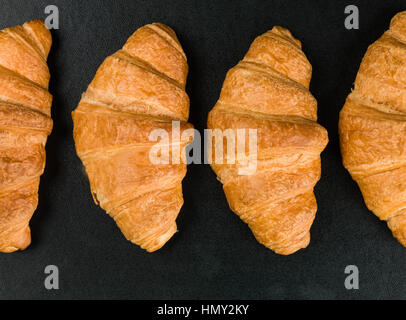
[[268, 91], [137, 90], [25, 123], [372, 128]]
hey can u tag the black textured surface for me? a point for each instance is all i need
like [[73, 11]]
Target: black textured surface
[[214, 256]]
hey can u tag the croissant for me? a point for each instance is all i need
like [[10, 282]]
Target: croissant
[[372, 128], [268, 91], [139, 89], [25, 123]]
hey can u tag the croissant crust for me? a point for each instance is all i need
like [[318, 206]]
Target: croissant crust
[[138, 89], [268, 91], [373, 125], [25, 123]]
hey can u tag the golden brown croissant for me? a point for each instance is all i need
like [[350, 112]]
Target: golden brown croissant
[[138, 89], [268, 91], [25, 123], [373, 126]]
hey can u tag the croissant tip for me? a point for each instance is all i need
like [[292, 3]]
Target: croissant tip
[[157, 242], [40, 34], [163, 27], [399, 16], [397, 224], [36, 21], [160, 24], [13, 248], [292, 249], [287, 34], [9, 249]]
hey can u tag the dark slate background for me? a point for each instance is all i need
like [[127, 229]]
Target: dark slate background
[[214, 256]]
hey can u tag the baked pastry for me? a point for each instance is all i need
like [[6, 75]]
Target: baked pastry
[[268, 91], [139, 89], [373, 125], [25, 123]]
